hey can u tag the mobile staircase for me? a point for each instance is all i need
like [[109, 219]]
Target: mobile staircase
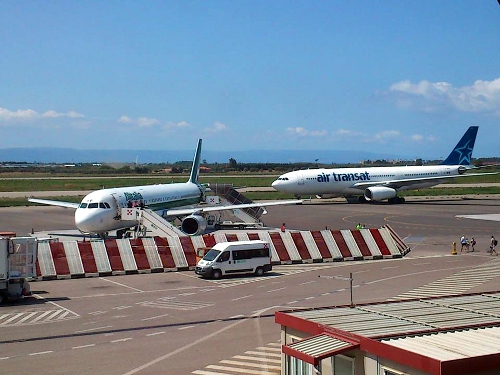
[[150, 223], [228, 196]]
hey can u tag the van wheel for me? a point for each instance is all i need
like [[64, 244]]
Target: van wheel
[[259, 271], [2, 298], [216, 274]]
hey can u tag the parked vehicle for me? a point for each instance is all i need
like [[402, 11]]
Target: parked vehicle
[[227, 258]]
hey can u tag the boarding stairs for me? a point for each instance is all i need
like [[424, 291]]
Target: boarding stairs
[[151, 224], [229, 196]]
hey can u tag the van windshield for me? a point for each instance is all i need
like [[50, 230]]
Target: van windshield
[[211, 255]]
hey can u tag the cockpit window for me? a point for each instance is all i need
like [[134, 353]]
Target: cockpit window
[[93, 205], [107, 205], [83, 205], [101, 205]]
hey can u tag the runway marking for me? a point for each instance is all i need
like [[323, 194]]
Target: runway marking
[[83, 346], [275, 290], [263, 360], [120, 284], [121, 340], [155, 317], [93, 329], [457, 283], [196, 342], [41, 353], [240, 298], [155, 333]]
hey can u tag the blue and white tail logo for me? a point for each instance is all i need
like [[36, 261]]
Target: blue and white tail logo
[[462, 153]]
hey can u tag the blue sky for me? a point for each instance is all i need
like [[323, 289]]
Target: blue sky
[[402, 77]]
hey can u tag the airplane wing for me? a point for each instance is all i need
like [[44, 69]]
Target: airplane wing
[[396, 184], [201, 209], [54, 203]]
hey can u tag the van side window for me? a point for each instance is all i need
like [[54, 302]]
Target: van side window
[[260, 253], [242, 254], [224, 257]]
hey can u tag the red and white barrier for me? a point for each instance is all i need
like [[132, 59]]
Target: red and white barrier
[[73, 259]]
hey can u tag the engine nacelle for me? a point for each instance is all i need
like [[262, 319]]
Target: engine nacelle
[[194, 225], [379, 193]]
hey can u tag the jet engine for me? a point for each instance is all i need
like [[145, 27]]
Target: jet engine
[[379, 193], [194, 225]]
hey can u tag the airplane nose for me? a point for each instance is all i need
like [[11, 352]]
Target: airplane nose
[[84, 220]]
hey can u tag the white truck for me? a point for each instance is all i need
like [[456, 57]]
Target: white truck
[[229, 258], [17, 266]]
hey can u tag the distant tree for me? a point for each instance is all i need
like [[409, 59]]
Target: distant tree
[[419, 162], [232, 163]]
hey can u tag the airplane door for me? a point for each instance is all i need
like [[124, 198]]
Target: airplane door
[[301, 179]]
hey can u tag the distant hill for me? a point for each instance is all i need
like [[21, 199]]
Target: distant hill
[[68, 155]]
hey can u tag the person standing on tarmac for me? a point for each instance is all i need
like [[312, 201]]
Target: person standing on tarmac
[[493, 244], [463, 242], [472, 243]]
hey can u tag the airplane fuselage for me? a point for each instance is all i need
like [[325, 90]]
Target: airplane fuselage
[[99, 211], [353, 181]]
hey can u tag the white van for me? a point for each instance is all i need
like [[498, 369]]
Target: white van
[[227, 258]]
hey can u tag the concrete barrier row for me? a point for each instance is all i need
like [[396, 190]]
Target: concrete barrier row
[[73, 259]]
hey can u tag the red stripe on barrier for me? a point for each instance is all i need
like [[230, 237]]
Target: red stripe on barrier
[[253, 236], [279, 246], [59, 258], [188, 248], [300, 244], [115, 260], [87, 256], [38, 270], [141, 259], [360, 241], [321, 244], [231, 237], [167, 260], [339, 239], [382, 246], [209, 240]]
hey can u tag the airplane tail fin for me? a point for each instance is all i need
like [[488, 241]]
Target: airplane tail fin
[[462, 153], [195, 169]]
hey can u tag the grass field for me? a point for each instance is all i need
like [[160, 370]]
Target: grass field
[[61, 183]]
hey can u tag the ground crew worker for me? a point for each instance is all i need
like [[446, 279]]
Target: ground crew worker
[[493, 244]]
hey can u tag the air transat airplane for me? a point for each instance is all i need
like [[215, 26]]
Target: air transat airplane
[[100, 211], [379, 183]]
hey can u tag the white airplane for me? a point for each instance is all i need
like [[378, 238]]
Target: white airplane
[[379, 183], [100, 211]]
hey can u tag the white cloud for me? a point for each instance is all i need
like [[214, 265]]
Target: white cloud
[[217, 127], [176, 125], [142, 122], [386, 134], [147, 122], [303, 132], [20, 114], [417, 138], [481, 96], [125, 120], [29, 114]]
